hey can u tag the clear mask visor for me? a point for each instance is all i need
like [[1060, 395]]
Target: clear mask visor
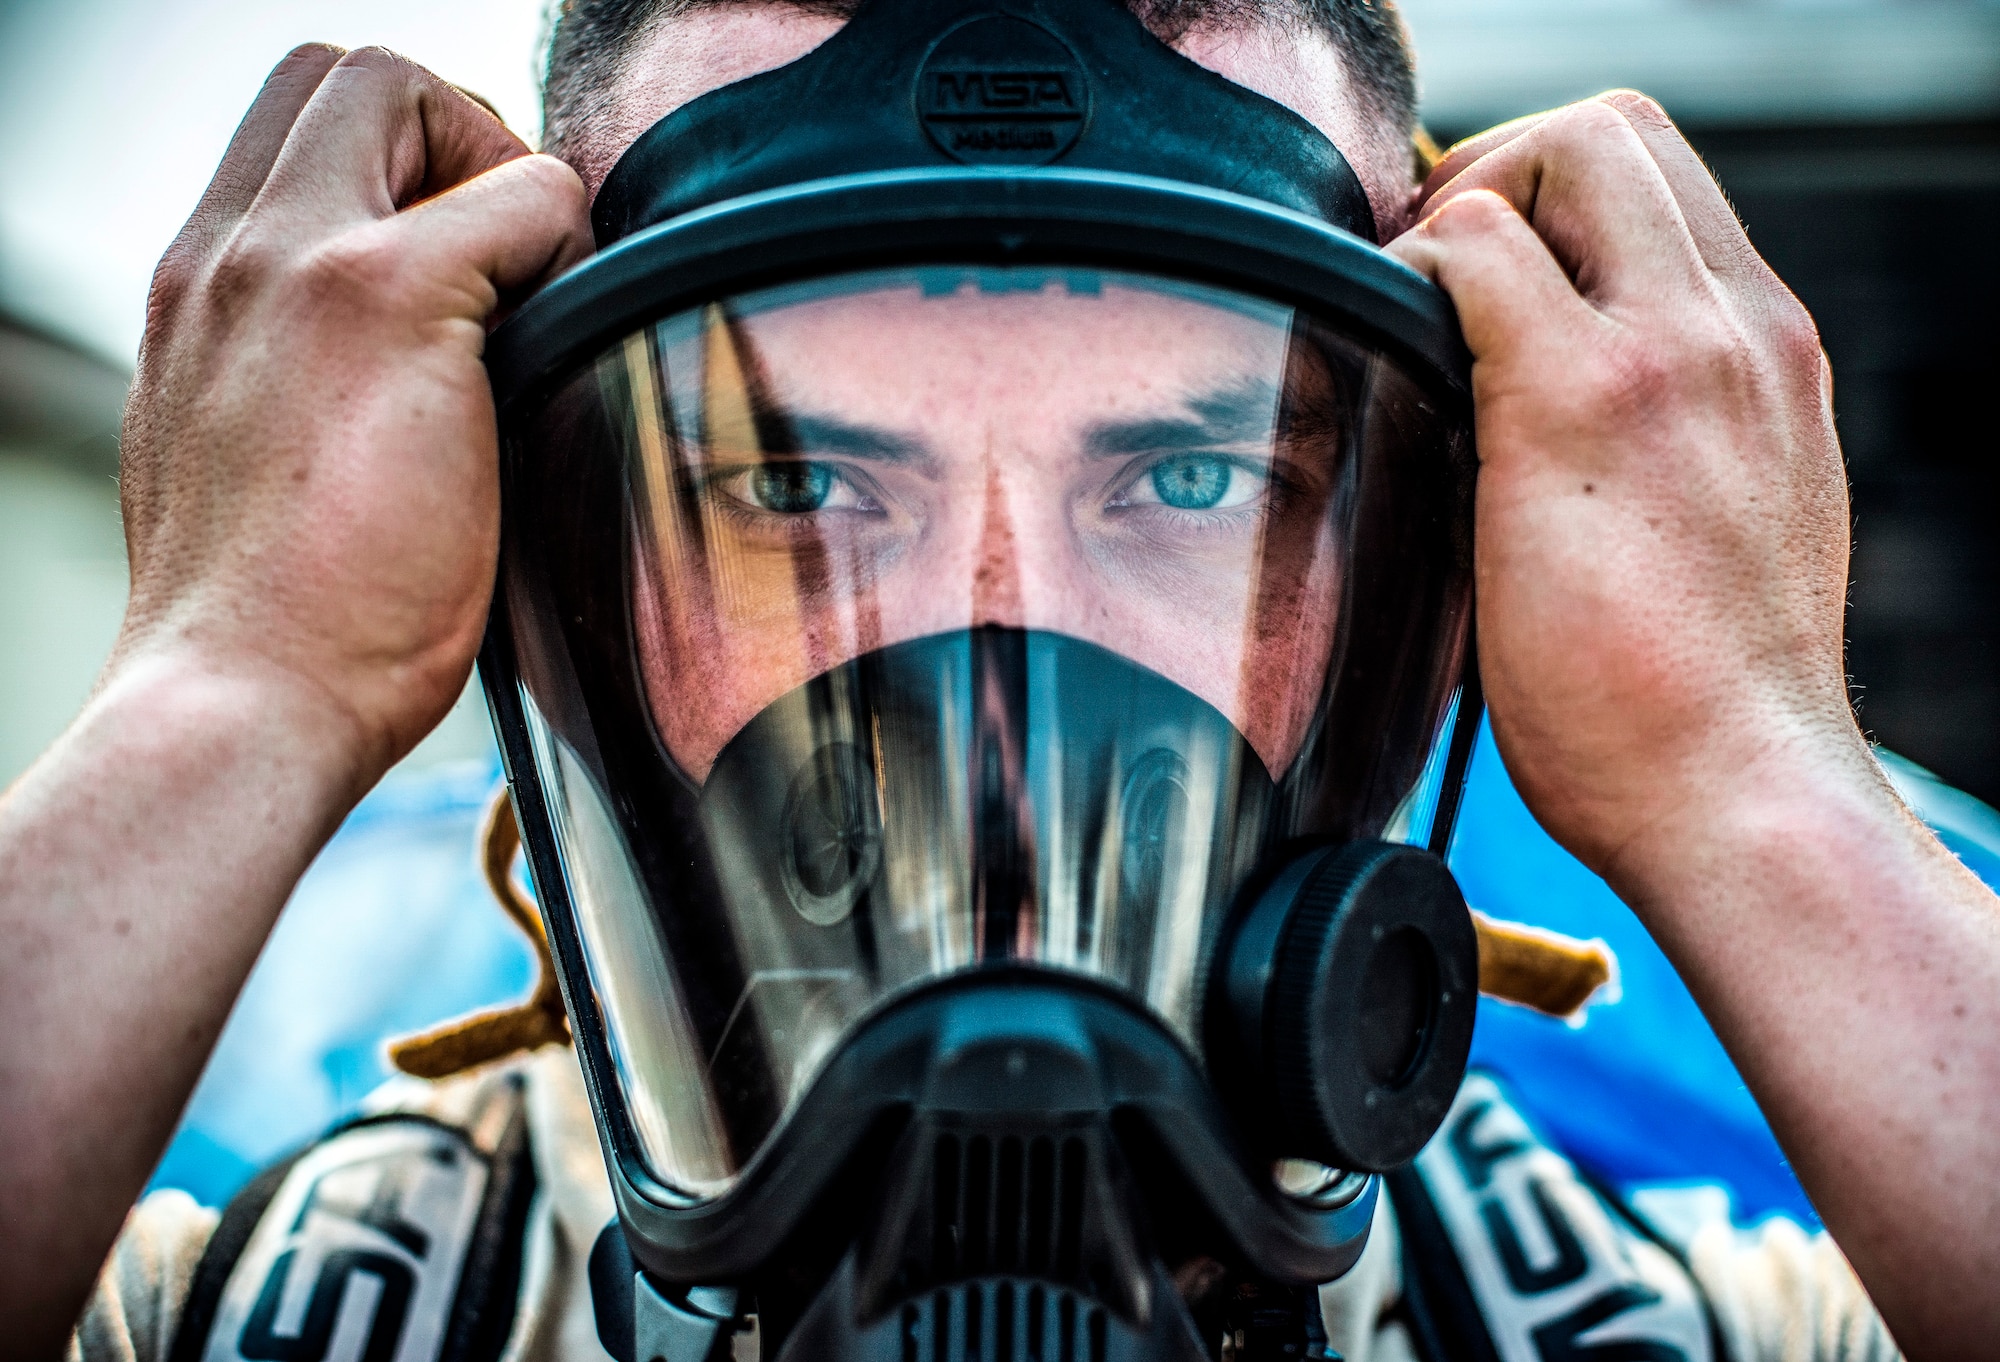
[[957, 617]]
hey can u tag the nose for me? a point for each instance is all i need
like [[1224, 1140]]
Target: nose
[[996, 581]]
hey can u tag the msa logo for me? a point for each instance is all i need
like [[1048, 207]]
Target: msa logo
[[1002, 91], [980, 94]]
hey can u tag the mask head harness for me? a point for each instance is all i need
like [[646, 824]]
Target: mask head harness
[[1008, 1161], [1010, 86]]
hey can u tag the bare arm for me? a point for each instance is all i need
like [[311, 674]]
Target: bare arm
[[309, 495], [1662, 566]]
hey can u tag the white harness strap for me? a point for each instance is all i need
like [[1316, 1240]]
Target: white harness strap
[[394, 1240], [1547, 1270], [358, 1257]]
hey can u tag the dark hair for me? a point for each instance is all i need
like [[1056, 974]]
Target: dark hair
[[591, 37]]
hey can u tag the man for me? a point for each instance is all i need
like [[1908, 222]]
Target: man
[[310, 503]]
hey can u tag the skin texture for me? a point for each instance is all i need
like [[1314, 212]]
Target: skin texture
[[681, 58], [309, 493]]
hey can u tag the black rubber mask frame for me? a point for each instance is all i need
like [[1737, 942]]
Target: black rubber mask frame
[[1051, 132], [1015, 85]]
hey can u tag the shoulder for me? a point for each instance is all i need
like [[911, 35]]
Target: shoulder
[[1510, 1250], [1778, 1289], [409, 1222], [136, 1306]]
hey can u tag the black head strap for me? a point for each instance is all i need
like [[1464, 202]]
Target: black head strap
[[1005, 84]]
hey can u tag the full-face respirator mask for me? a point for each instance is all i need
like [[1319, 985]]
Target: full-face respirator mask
[[982, 655]]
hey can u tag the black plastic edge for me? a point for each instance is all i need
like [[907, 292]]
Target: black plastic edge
[[616, 1134], [958, 215], [1458, 757]]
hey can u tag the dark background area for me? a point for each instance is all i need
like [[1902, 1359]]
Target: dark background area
[[1890, 234]]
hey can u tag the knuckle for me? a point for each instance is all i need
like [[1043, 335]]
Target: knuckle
[[307, 55], [1472, 212], [245, 264], [1636, 108], [553, 179], [1760, 327], [1796, 337], [379, 73], [377, 58], [1591, 121], [1590, 133], [1481, 205], [174, 278], [1793, 325], [1717, 353]]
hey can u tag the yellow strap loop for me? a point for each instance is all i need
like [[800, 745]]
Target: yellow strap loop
[[485, 1037], [1541, 969]]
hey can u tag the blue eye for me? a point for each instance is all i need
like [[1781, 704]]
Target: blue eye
[[791, 488], [1197, 482]]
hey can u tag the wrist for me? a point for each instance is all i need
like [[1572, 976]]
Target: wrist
[[1767, 816], [241, 718]]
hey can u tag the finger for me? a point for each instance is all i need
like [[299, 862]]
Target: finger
[[1462, 154], [1516, 306], [1588, 185], [258, 139], [481, 100], [515, 226], [379, 134], [1717, 231]]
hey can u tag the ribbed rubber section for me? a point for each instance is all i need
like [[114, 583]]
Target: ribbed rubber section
[[1297, 1050]]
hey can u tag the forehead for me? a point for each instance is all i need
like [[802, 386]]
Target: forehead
[[970, 344], [1010, 316]]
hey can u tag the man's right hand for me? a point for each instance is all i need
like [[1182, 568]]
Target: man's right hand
[[308, 468], [309, 478]]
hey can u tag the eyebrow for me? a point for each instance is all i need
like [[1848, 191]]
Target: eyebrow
[[782, 430], [1245, 412]]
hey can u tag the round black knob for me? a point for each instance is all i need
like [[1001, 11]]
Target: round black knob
[[1359, 1012]]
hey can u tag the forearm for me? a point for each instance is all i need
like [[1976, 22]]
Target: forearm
[[142, 862], [1851, 966]]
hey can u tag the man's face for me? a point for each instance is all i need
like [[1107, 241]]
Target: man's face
[[1145, 468], [874, 467]]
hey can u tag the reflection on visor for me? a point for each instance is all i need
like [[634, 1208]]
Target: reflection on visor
[[834, 470], [978, 796], [958, 616]]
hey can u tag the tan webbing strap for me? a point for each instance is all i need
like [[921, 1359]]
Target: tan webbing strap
[[485, 1037], [1541, 969]]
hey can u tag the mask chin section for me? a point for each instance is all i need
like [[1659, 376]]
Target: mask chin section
[[1004, 1239], [1034, 1171]]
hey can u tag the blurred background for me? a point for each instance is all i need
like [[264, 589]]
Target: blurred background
[[1859, 139]]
